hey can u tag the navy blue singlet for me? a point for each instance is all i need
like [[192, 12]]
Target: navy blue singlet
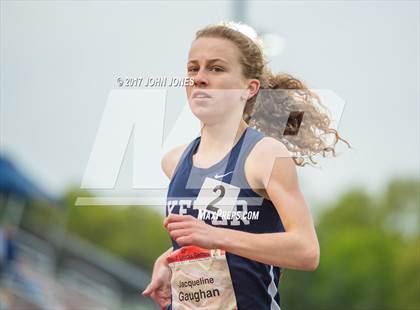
[[255, 284]]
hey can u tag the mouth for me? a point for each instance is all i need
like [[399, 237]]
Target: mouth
[[199, 94]]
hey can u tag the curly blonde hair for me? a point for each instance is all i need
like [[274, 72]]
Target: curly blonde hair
[[280, 113]]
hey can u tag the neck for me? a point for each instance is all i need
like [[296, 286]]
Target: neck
[[220, 137]]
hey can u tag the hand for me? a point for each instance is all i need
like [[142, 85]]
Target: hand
[[187, 230], [159, 288]]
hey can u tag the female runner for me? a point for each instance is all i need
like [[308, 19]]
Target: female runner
[[242, 158]]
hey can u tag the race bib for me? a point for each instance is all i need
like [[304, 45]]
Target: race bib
[[201, 279]]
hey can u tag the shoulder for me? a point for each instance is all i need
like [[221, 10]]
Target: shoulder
[[171, 158], [270, 159], [269, 147]]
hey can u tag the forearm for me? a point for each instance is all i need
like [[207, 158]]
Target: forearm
[[286, 249], [164, 255]]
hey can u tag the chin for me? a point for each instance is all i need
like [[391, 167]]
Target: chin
[[202, 114], [205, 115]]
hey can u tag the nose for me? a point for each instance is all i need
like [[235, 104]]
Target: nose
[[201, 79]]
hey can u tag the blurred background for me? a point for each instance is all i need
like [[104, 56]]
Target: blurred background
[[59, 62]]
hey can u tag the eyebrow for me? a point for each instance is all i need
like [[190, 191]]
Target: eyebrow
[[210, 60]]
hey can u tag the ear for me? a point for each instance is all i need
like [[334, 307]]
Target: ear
[[253, 87]]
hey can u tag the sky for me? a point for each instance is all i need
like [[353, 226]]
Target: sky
[[60, 62]]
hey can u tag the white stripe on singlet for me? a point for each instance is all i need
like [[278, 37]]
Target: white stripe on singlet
[[272, 290]]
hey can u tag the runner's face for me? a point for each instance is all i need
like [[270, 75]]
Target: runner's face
[[213, 64]]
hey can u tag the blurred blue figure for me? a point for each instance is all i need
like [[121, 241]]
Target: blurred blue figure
[[7, 250]]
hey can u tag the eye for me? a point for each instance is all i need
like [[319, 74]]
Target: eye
[[192, 69], [217, 69]]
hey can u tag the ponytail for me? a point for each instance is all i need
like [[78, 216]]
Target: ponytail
[[284, 107]]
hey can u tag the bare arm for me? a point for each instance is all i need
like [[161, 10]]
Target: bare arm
[[163, 256], [168, 165], [159, 288], [297, 247]]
